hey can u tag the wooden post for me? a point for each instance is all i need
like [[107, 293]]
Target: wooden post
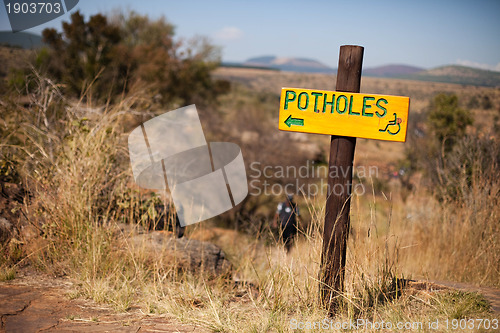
[[338, 201]]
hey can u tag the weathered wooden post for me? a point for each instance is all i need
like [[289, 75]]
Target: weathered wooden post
[[346, 115], [338, 200]]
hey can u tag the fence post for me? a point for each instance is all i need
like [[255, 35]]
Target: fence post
[[338, 202]]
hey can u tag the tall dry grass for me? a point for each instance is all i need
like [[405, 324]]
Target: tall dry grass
[[74, 162], [456, 224]]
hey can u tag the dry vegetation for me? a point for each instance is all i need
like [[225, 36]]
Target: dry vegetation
[[72, 159], [437, 238]]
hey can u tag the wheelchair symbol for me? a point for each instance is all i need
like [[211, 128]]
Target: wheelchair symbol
[[396, 122]]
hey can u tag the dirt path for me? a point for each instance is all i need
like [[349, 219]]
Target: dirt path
[[37, 303], [491, 294], [41, 304]]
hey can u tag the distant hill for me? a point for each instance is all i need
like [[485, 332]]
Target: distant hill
[[458, 74], [446, 74], [24, 40], [290, 64], [242, 65], [393, 71]]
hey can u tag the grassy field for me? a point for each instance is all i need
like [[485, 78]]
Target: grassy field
[[77, 172], [430, 235]]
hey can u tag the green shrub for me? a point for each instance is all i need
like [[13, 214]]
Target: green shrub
[[443, 151], [446, 120], [101, 60]]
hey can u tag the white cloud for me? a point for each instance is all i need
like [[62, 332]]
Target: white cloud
[[229, 33], [469, 63]]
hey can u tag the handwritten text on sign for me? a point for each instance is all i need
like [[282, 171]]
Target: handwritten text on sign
[[367, 116]]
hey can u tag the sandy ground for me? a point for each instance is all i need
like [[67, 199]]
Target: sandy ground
[[37, 303]]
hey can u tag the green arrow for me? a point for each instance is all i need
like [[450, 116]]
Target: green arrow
[[294, 121]]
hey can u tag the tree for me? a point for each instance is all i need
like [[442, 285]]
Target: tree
[[440, 151], [446, 120], [101, 59], [86, 57]]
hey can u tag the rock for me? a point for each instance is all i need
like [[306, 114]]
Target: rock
[[11, 202], [249, 137], [39, 304], [6, 229], [309, 150], [11, 191], [184, 254], [301, 137]]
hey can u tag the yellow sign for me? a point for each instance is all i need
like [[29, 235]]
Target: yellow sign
[[367, 116]]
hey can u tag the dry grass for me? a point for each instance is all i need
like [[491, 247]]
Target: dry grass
[[76, 167], [454, 241]]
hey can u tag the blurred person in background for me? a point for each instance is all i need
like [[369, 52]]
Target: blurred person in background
[[287, 213]]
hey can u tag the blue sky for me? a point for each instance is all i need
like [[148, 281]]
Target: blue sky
[[425, 33]]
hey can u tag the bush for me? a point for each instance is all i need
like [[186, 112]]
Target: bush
[[446, 120], [103, 61], [435, 140], [470, 169]]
